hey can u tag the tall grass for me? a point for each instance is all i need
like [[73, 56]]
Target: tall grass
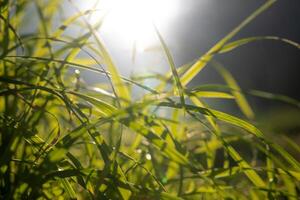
[[61, 138]]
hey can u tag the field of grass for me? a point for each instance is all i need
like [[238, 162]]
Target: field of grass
[[61, 138]]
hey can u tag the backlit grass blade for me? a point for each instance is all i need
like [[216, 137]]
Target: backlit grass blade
[[235, 44], [254, 93], [213, 94], [278, 97], [239, 97], [201, 63], [172, 65]]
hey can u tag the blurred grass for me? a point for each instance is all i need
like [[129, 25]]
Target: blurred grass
[[61, 138]]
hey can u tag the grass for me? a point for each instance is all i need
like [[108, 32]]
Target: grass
[[63, 139]]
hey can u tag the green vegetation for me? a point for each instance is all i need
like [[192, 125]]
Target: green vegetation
[[63, 139]]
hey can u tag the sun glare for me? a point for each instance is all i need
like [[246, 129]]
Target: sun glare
[[132, 20]]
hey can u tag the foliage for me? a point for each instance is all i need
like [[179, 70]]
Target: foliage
[[64, 139]]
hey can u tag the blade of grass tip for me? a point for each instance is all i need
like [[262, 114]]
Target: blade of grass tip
[[278, 97], [212, 94], [231, 82], [235, 44], [201, 63], [172, 65]]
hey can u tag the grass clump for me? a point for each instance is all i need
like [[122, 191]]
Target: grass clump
[[61, 138]]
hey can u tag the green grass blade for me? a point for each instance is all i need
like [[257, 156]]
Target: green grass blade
[[235, 44], [239, 97], [172, 65]]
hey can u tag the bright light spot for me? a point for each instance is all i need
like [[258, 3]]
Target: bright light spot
[[132, 20], [77, 72], [148, 156], [139, 150], [96, 89]]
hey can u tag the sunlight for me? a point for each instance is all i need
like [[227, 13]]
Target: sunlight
[[131, 20]]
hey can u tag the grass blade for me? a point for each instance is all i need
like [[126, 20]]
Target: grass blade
[[201, 63], [239, 97]]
